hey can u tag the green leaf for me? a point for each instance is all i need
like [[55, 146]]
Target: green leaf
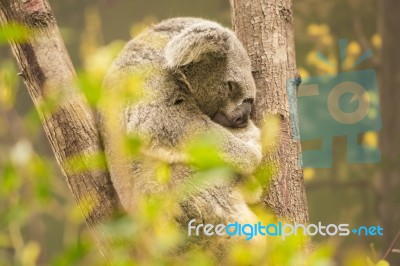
[[10, 181], [204, 154], [383, 263], [15, 32]]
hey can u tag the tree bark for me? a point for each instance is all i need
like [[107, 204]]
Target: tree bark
[[389, 141], [66, 117], [265, 27]]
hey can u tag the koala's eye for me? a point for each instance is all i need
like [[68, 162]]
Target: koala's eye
[[231, 86], [249, 100], [178, 101]]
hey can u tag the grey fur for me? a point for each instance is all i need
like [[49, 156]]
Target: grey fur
[[195, 60]]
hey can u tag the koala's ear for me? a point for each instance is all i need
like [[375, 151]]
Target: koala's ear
[[194, 43]]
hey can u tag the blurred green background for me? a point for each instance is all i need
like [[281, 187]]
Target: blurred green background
[[39, 222]]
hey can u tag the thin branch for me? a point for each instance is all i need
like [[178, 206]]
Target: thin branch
[[391, 246]]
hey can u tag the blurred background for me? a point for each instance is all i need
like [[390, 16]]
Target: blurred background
[[39, 222]]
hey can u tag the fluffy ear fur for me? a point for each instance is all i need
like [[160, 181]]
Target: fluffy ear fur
[[194, 43]]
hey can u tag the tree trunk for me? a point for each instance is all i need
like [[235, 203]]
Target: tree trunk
[[66, 117], [265, 27], [389, 209]]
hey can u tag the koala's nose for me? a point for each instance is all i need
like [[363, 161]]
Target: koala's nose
[[241, 121], [246, 106]]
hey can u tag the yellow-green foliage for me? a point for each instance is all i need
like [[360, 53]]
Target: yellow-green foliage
[[33, 198]]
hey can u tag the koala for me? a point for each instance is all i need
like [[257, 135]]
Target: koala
[[199, 81]]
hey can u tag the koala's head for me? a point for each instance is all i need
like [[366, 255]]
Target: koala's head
[[213, 67]]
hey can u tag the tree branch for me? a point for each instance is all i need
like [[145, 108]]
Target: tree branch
[[66, 117]]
